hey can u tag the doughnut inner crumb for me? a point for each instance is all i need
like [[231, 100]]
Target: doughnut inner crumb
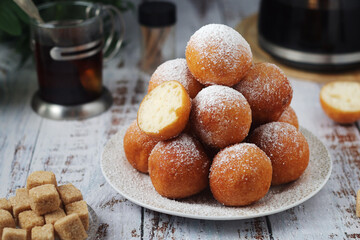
[[159, 108], [342, 95]]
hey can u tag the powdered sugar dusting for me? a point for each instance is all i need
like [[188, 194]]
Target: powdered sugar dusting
[[217, 102], [267, 90], [219, 45], [289, 116], [244, 157], [223, 39], [174, 70], [138, 188], [183, 148], [271, 137]]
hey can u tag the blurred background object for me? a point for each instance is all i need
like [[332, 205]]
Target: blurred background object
[[157, 20], [15, 28], [321, 35]]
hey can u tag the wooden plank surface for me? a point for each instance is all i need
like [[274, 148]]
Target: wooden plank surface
[[72, 149]]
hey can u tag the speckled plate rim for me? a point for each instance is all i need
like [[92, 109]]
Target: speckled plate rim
[[224, 218]]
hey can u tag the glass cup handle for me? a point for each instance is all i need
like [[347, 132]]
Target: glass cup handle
[[114, 14]]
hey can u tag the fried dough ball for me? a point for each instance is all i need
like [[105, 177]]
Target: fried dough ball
[[220, 116], [177, 70], [217, 54], [289, 116], [137, 147], [179, 167], [286, 147], [240, 175], [164, 112], [340, 100], [268, 92]]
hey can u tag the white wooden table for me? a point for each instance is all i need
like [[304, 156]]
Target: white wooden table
[[72, 150]]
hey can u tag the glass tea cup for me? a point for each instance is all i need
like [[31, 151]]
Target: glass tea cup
[[70, 47]]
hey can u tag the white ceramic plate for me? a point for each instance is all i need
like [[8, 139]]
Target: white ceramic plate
[[137, 187]]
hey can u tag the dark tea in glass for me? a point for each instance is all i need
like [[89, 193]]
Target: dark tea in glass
[[69, 46], [68, 82]]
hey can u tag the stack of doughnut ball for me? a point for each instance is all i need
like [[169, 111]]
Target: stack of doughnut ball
[[217, 119]]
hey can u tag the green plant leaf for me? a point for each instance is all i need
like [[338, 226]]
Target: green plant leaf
[[18, 11], [9, 22]]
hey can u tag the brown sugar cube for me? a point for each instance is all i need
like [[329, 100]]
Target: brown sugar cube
[[29, 219], [45, 232], [54, 216], [6, 220], [14, 234], [70, 228], [44, 199], [69, 193], [20, 202], [38, 178], [5, 205], [81, 209]]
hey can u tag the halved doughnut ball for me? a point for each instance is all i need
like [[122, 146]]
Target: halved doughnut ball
[[341, 101], [220, 116], [164, 112], [179, 167], [289, 116], [217, 54], [137, 147], [268, 92], [286, 147], [240, 175], [176, 70]]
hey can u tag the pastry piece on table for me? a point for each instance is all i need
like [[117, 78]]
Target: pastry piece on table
[[341, 101]]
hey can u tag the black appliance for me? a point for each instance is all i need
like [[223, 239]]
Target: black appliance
[[321, 35]]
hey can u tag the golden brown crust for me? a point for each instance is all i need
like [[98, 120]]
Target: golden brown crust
[[220, 116], [289, 116], [240, 175], [175, 70], [340, 100], [267, 90], [339, 115], [176, 127], [217, 54], [137, 147], [286, 147], [179, 167]]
